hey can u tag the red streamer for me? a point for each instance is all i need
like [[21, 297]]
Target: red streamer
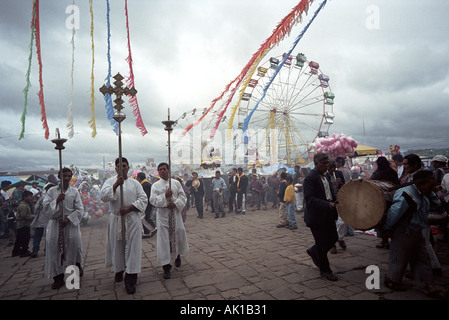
[[281, 30], [39, 57], [130, 81]]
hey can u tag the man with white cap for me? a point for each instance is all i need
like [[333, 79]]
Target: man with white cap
[[439, 162]]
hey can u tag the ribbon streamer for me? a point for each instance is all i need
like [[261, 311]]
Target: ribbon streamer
[[130, 81], [107, 97], [28, 83], [92, 78], [279, 33], [70, 108], [248, 118], [37, 36]]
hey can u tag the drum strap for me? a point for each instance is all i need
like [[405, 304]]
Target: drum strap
[[412, 207]]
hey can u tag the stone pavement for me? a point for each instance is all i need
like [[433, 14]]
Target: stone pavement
[[239, 257]]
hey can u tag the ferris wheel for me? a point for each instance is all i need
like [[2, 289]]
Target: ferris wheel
[[298, 107], [196, 147]]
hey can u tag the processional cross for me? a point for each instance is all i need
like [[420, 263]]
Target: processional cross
[[119, 116]]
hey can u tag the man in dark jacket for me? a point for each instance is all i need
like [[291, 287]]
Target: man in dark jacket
[[148, 224], [320, 214], [242, 188], [196, 186]]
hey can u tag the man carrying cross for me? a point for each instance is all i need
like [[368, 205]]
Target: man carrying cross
[[130, 237], [128, 202]]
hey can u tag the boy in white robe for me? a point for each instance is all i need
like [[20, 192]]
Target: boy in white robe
[[171, 235], [69, 228], [135, 200]]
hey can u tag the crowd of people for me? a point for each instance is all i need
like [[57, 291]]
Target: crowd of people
[[141, 207]]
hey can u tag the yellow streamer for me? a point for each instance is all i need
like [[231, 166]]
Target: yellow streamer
[[245, 84]]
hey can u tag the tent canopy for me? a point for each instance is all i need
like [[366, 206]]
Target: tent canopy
[[364, 150]]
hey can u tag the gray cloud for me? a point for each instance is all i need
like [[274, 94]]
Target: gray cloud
[[393, 78]]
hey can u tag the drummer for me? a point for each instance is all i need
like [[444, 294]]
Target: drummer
[[320, 214]]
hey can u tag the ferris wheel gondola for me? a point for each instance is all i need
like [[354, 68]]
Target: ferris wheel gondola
[[297, 108]]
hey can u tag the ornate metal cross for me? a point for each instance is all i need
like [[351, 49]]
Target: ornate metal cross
[[118, 90], [119, 116]]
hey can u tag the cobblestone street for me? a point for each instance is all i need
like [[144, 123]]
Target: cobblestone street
[[239, 257]]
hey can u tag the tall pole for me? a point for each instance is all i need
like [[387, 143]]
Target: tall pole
[[119, 116], [169, 128], [60, 146], [171, 221]]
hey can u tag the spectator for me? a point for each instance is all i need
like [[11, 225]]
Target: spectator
[[283, 220], [23, 218], [255, 188], [289, 200]]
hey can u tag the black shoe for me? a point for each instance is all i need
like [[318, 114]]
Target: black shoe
[[15, 254], [130, 283], [119, 276], [437, 272], [342, 244], [25, 254], [178, 262], [58, 282], [167, 269], [33, 254], [314, 258], [329, 276]]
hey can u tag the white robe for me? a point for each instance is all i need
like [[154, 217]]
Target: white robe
[[73, 210], [159, 201], [133, 195]]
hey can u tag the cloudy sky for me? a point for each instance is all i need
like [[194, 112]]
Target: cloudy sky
[[387, 60]]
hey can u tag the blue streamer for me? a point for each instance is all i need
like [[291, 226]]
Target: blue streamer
[[107, 97], [248, 118]]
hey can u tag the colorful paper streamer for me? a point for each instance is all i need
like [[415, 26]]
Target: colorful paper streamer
[[92, 121], [130, 81], [281, 30], [70, 125], [37, 36], [28, 82], [35, 29], [107, 97], [248, 118]]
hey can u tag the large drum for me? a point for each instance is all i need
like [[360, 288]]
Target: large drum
[[363, 203]]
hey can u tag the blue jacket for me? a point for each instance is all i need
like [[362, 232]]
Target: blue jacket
[[410, 208]]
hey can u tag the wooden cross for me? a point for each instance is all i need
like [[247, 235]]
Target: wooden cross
[[118, 91]]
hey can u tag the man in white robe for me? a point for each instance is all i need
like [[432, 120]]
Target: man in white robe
[[171, 235], [63, 233], [124, 257]]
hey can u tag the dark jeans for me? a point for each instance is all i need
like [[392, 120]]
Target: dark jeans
[[232, 200], [240, 200], [22, 240], [37, 237], [325, 236], [199, 205]]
